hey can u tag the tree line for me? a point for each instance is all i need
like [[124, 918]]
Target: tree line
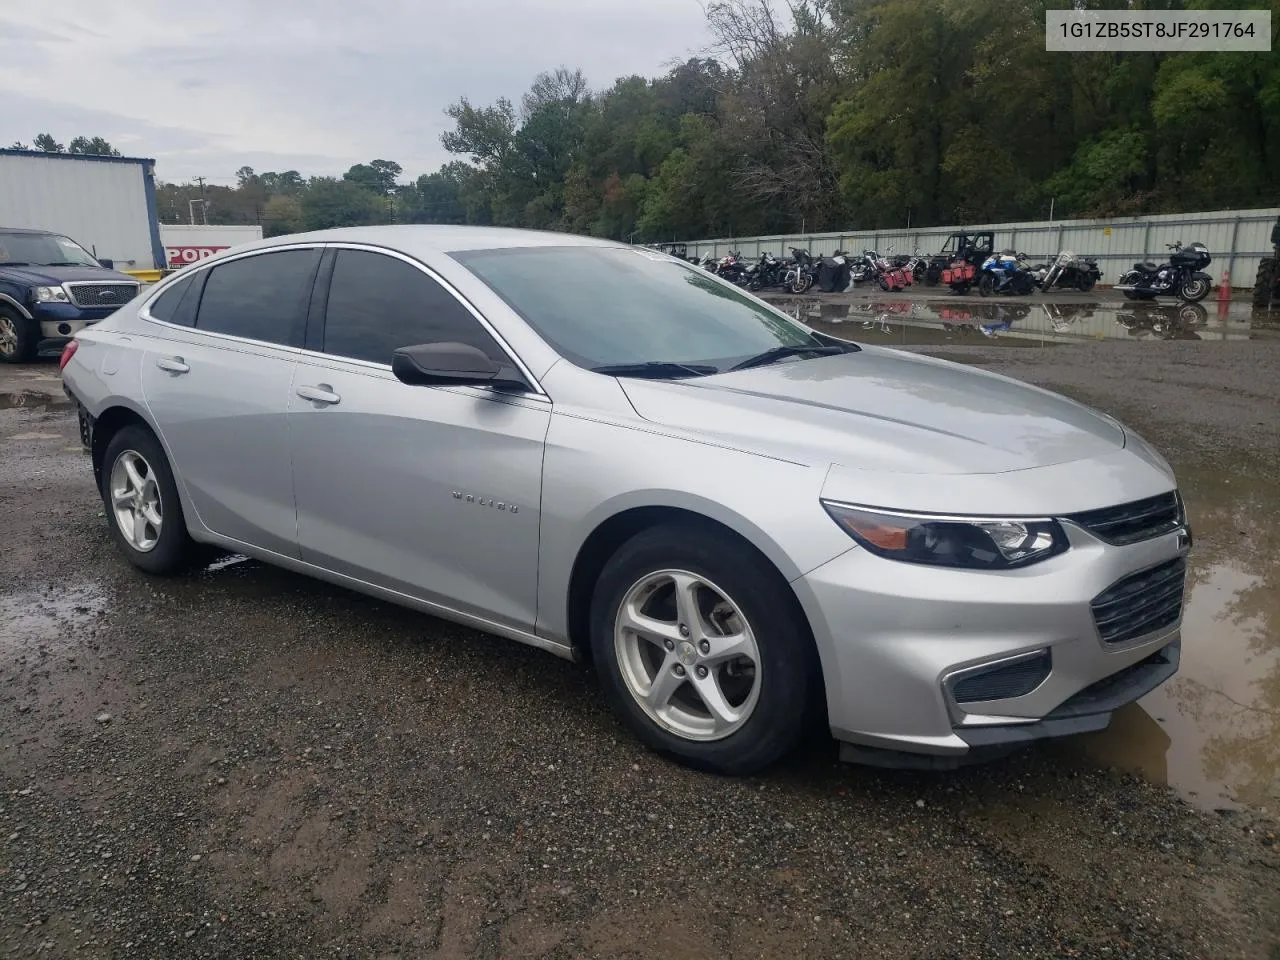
[[826, 114]]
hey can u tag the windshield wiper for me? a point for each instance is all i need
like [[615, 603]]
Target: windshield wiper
[[656, 369], [14, 263], [780, 353], [66, 263]]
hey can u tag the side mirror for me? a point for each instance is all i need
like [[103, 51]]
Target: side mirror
[[450, 363], [106, 264]]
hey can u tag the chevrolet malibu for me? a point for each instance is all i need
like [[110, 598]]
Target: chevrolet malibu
[[609, 454]]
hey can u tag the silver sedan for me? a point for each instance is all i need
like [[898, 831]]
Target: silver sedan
[[749, 527]]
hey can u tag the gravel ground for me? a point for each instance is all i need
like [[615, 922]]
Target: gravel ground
[[246, 763]]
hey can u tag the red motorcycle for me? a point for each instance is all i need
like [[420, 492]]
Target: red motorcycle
[[891, 276]]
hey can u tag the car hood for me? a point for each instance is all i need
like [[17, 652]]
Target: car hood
[[52, 276], [880, 409]]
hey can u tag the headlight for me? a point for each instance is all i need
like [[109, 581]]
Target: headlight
[[51, 295], [970, 542]]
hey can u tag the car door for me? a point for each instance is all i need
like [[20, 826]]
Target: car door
[[217, 379], [433, 492]]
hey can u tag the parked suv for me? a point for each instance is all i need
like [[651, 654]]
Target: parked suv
[[51, 287]]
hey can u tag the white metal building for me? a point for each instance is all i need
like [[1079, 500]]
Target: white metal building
[[106, 204]]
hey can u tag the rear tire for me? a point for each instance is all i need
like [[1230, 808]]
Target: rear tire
[[142, 505], [1086, 282], [652, 678], [19, 337]]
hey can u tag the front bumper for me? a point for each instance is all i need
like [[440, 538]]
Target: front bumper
[[894, 637], [59, 322]]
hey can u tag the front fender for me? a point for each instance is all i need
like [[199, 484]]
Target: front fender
[[593, 471], [1201, 275]]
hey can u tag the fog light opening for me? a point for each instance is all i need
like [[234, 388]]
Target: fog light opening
[[1003, 680]]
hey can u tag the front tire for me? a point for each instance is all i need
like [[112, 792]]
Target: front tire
[[142, 505], [702, 649], [1194, 289], [19, 337], [987, 285]]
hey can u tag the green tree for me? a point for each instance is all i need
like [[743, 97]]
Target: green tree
[[92, 146], [45, 142], [329, 202], [377, 176], [282, 214]]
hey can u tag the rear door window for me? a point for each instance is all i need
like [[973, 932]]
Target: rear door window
[[262, 297]]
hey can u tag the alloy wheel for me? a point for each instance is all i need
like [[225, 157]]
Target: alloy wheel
[[135, 501], [687, 655], [8, 336]]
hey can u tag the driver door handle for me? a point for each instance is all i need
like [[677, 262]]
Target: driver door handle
[[321, 393], [173, 364]]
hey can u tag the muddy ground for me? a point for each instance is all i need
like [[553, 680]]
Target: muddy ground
[[246, 763]]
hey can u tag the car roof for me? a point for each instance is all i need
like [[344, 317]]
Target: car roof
[[28, 230], [436, 238]]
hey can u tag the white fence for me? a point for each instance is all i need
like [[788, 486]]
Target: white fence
[[1237, 239]]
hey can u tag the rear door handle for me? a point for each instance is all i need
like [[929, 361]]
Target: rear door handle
[[321, 393], [173, 364]]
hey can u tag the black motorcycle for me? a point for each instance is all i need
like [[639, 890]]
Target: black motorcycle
[[768, 271], [1181, 277], [800, 271], [1068, 272]]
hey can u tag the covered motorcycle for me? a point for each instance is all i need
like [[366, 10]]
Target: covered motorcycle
[[833, 273]]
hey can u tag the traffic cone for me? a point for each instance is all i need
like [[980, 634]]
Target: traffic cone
[[1224, 288]]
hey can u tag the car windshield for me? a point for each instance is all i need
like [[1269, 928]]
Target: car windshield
[[44, 250], [615, 307]]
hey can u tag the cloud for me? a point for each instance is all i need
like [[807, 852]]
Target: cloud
[[312, 85]]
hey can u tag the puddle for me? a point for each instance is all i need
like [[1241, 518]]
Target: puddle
[[31, 400], [1022, 323], [228, 561], [34, 619], [1213, 731]]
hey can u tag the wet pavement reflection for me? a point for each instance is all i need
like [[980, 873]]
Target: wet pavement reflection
[[1213, 731], [956, 320]]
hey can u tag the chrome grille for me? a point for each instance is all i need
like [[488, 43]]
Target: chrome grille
[[101, 294], [1142, 603], [1131, 522]]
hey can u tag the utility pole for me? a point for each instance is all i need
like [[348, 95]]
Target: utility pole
[[204, 204]]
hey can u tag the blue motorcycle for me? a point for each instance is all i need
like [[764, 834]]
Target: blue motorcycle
[[1005, 272]]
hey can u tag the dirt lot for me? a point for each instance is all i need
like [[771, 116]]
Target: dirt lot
[[245, 763]]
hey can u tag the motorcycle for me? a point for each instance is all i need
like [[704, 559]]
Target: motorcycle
[[891, 275], [766, 272], [1068, 272], [1181, 277], [730, 267], [1005, 272], [864, 268], [799, 274]]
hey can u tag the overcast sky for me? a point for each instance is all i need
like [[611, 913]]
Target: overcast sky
[[312, 85]]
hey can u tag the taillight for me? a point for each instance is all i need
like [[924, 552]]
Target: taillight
[[68, 352]]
